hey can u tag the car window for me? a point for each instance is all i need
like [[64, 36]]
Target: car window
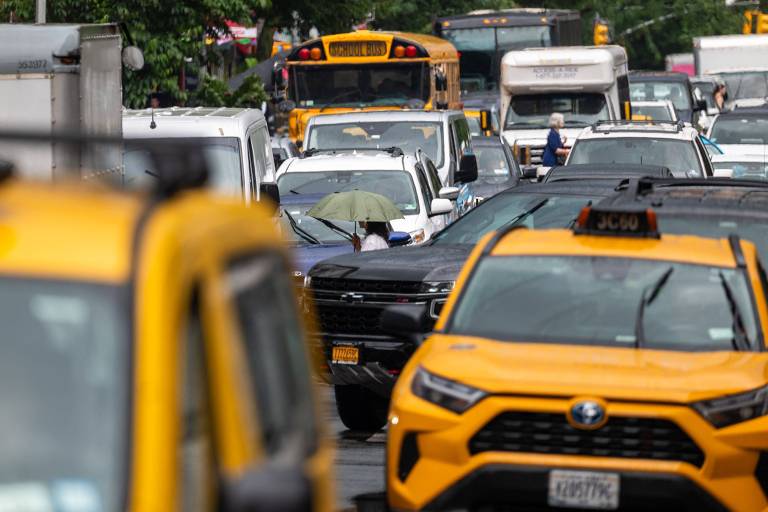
[[434, 177], [426, 192], [492, 164], [680, 156], [267, 317], [463, 136], [676, 92], [195, 443], [262, 153]]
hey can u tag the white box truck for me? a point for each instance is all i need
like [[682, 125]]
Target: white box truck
[[61, 80], [586, 84], [740, 60]]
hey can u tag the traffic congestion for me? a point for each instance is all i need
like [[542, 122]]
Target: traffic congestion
[[493, 265]]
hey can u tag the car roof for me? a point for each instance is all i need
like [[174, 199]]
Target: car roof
[[643, 129], [586, 187], [84, 232], [559, 242], [349, 161], [695, 196], [379, 116], [182, 122], [602, 171]]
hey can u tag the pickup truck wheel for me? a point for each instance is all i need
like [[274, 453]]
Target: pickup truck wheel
[[361, 409]]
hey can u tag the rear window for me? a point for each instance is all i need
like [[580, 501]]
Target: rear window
[[740, 130], [679, 155]]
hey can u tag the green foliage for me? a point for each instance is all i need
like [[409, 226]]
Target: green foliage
[[167, 31], [214, 92], [647, 46]]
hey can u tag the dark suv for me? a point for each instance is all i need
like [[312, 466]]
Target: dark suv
[[667, 85]]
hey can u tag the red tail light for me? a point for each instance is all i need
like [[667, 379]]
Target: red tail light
[[410, 51], [304, 54]]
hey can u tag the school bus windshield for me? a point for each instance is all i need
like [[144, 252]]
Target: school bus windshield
[[361, 85]]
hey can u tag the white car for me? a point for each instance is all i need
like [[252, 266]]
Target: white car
[[676, 146], [748, 167], [741, 132], [655, 110], [444, 135], [401, 178]]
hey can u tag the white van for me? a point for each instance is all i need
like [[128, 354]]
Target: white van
[[235, 140], [586, 84]]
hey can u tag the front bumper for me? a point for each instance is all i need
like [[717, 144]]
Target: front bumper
[[442, 469]]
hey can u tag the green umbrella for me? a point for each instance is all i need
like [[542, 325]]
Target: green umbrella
[[355, 205]]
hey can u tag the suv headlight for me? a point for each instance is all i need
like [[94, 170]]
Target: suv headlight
[[437, 287], [307, 281], [446, 393], [732, 409]]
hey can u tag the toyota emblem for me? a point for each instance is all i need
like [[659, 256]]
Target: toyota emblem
[[587, 414]]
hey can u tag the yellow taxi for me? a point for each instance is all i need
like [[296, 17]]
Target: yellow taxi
[[152, 358], [609, 367]]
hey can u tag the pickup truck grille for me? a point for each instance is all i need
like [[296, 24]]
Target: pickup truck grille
[[536, 154], [365, 285], [623, 437]]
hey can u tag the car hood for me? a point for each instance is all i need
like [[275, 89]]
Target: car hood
[[487, 190], [612, 373], [305, 256], [410, 263]]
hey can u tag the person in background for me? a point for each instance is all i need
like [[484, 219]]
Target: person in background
[[720, 96], [554, 147], [376, 236]]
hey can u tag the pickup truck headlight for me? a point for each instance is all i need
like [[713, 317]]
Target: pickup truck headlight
[[732, 409], [446, 393], [437, 287]]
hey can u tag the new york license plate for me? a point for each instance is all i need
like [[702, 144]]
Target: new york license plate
[[583, 489], [345, 354]]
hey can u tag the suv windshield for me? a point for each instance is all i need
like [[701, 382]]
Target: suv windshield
[[679, 155], [676, 92], [306, 225], [596, 301], [492, 164], [744, 85], [360, 85], [64, 386], [533, 110], [222, 156], [652, 112], [735, 129], [533, 210], [395, 185], [406, 135]]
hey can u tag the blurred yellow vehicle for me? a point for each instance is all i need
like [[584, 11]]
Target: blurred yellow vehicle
[[152, 357], [608, 367], [482, 122]]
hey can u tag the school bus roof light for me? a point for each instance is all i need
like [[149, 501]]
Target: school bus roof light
[[410, 51], [315, 53], [399, 51], [303, 54]]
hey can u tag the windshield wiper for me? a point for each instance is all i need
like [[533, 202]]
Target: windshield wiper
[[740, 339], [524, 215], [299, 231], [648, 295]]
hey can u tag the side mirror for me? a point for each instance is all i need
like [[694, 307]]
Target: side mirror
[[270, 192], [530, 172], [485, 121], [451, 193], [286, 106], [133, 58], [723, 173], [467, 172], [269, 489], [440, 206], [406, 321], [399, 238]]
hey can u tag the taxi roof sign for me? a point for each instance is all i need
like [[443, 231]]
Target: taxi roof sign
[[623, 220]]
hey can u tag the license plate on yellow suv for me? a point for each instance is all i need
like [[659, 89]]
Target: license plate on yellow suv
[[583, 489], [345, 354]]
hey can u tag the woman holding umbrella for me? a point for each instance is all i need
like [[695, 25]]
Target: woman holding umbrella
[[375, 239]]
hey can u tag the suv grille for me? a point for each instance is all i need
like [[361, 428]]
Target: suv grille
[[365, 285], [631, 438], [348, 319]]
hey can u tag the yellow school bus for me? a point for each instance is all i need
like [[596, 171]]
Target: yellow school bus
[[367, 70]]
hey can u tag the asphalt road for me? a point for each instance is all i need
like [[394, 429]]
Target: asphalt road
[[359, 464]]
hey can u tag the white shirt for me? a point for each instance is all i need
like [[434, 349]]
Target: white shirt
[[373, 242]]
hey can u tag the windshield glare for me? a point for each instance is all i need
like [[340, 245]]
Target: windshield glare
[[395, 185], [595, 301], [733, 129], [533, 110], [751, 84], [676, 92], [222, 154], [679, 155], [559, 211], [64, 387], [406, 135], [361, 84]]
